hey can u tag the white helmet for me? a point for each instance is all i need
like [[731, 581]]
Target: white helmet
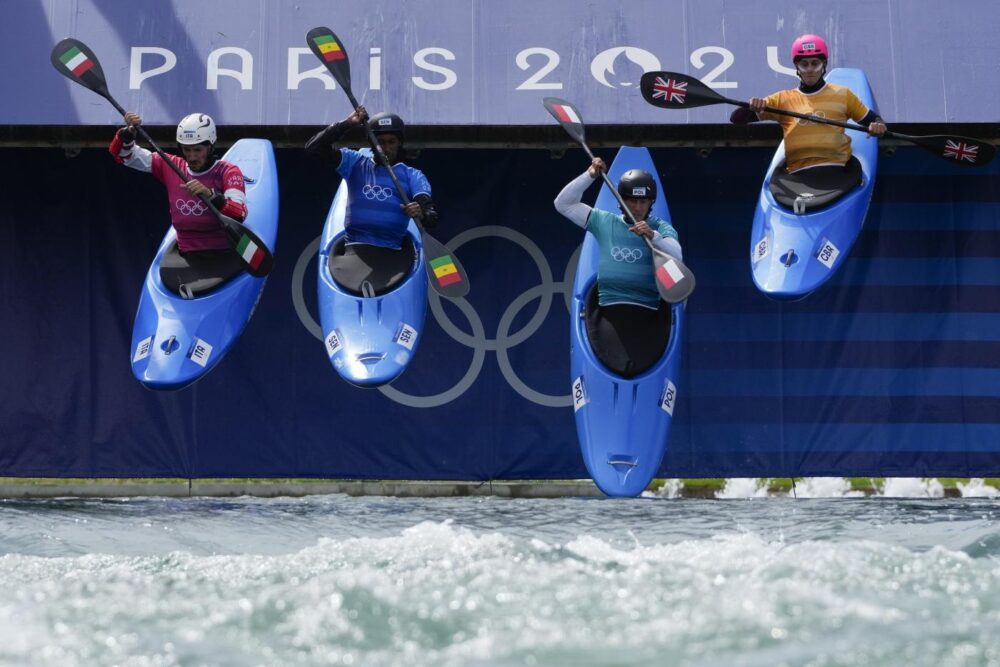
[[196, 128]]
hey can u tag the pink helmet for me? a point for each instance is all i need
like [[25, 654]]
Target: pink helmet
[[810, 46]]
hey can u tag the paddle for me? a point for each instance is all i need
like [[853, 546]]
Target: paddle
[[674, 280], [671, 90], [444, 272], [74, 60]]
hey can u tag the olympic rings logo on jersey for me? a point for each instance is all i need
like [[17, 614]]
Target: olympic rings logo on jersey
[[819, 113], [377, 192], [629, 255], [473, 335], [191, 207]]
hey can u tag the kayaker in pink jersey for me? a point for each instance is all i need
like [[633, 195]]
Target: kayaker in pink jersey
[[198, 230]]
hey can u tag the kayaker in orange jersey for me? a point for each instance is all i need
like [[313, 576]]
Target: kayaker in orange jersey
[[809, 144]]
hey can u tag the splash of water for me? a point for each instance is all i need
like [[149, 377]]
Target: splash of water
[[825, 487], [977, 488], [912, 487], [744, 487]]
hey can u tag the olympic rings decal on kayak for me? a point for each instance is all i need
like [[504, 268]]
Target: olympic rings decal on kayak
[[190, 207], [477, 340], [630, 255], [376, 192]]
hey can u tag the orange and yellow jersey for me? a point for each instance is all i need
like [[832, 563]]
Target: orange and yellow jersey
[[807, 143]]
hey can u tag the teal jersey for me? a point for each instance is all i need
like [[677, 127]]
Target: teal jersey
[[625, 268]]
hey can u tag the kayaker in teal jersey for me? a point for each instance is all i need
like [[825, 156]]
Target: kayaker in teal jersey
[[376, 214], [628, 301]]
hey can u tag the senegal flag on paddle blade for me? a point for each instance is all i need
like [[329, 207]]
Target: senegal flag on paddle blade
[[329, 47], [445, 271]]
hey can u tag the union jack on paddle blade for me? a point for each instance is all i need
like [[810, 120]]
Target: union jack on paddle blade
[[670, 91], [959, 150]]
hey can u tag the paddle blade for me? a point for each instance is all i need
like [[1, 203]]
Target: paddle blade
[[74, 60], [963, 151], [254, 252], [567, 115], [674, 280], [331, 52], [672, 90], [445, 273]]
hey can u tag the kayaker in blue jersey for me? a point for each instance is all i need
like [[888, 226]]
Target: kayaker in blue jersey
[[376, 214], [625, 326]]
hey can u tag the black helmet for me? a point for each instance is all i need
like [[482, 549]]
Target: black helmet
[[638, 184], [386, 122]]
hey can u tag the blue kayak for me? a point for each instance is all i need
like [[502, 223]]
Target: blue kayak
[[182, 332], [805, 223], [623, 424], [372, 301]]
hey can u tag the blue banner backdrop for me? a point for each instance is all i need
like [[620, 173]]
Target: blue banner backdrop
[[891, 369], [473, 62]]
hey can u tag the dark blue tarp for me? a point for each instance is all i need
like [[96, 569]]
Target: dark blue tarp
[[891, 369]]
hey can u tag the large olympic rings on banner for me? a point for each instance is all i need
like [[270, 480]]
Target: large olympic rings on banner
[[477, 340]]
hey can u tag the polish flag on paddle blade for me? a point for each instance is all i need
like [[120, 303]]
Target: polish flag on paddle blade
[[567, 114], [960, 150], [669, 91], [669, 274]]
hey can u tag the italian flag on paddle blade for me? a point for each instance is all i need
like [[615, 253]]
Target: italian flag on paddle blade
[[669, 274], [76, 61], [329, 47], [445, 271], [250, 252]]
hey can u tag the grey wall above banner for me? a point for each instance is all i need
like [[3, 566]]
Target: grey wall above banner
[[474, 62]]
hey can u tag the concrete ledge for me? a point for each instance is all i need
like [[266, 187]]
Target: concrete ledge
[[49, 488], [400, 489], [95, 489]]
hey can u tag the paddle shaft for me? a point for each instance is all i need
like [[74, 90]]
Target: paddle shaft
[[671, 287], [436, 254], [815, 119], [658, 255], [383, 160], [618, 196], [673, 90]]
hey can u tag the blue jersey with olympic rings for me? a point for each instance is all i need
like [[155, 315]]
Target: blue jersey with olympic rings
[[625, 267], [373, 214]]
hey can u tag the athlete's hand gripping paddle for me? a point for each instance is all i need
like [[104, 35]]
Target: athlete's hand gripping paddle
[[672, 90], [74, 60], [674, 280], [444, 272]]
